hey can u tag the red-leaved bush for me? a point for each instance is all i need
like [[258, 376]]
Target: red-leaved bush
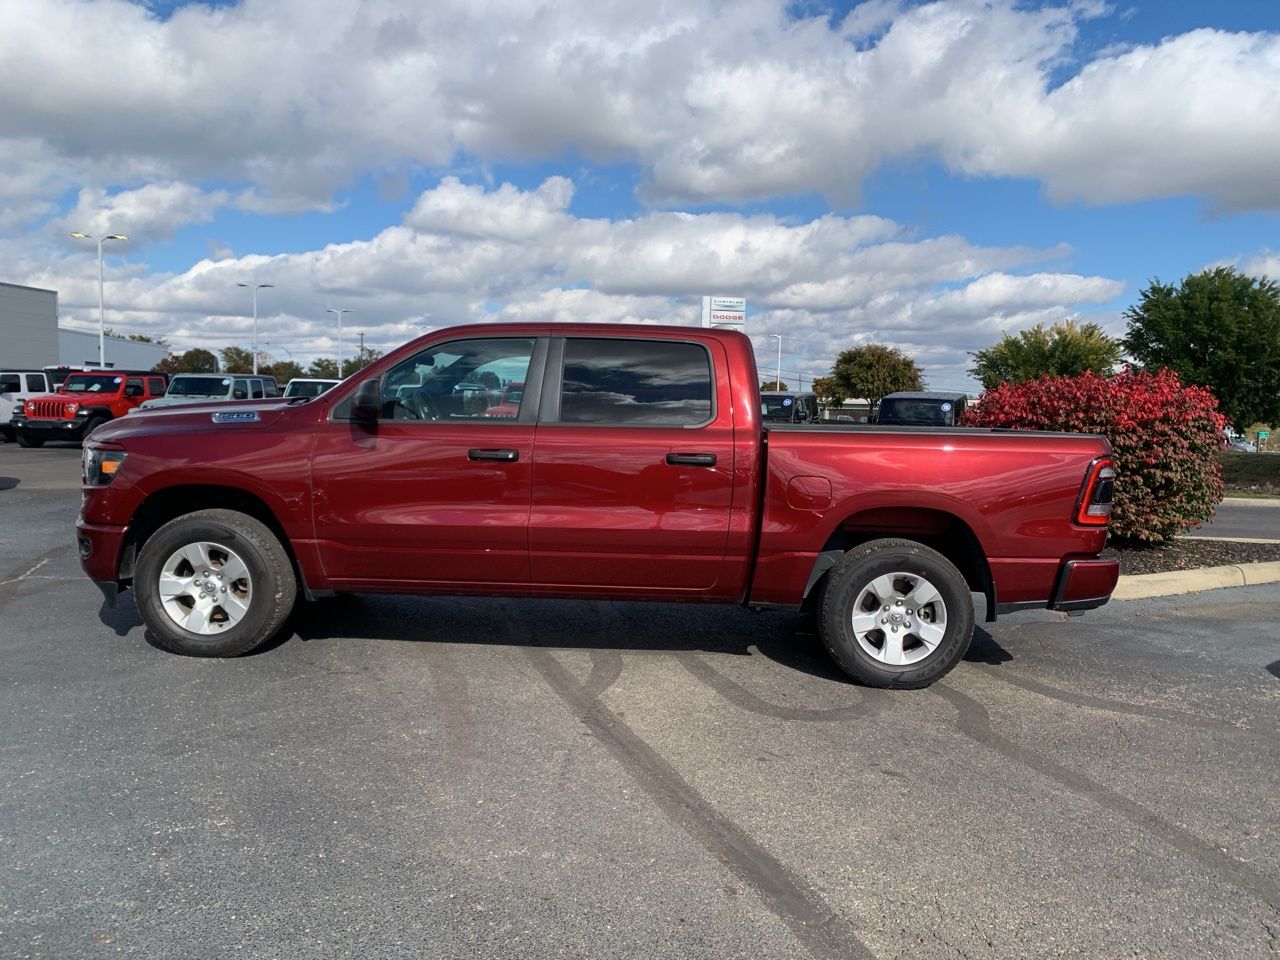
[[1165, 438]]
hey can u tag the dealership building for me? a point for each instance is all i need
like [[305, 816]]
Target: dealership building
[[30, 338]]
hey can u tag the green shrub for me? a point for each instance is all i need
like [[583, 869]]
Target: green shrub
[[1165, 439]]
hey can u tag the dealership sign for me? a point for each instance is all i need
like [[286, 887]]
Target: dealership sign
[[724, 312]]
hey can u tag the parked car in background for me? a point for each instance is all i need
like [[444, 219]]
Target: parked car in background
[[779, 406], [1241, 445], [308, 386], [85, 401], [15, 387], [209, 388], [917, 408], [637, 467], [508, 405]]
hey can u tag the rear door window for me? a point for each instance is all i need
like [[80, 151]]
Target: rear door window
[[635, 382], [36, 382], [156, 386], [256, 386]]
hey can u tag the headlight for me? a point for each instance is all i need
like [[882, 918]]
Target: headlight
[[71, 407], [99, 467]]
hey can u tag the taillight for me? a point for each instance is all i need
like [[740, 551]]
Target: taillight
[[1094, 509]]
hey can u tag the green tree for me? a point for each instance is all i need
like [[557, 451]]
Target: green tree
[[236, 360], [282, 370], [192, 361], [325, 368], [1062, 350], [1219, 329], [364, 356], [872, 370], [828, 391], [773, 385]]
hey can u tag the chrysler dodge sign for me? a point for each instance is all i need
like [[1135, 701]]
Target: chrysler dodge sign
[[724, 312]]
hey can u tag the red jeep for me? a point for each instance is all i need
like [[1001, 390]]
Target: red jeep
[[83, 402]]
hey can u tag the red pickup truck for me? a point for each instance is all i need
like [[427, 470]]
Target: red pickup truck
[[636, 467]]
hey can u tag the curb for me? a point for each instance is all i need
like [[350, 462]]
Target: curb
[[1143, 586], [1251, 501]]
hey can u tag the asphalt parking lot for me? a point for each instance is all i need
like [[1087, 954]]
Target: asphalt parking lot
[[440, 777]]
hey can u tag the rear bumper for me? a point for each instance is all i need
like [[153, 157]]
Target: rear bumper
[[1080, 585], [1085, 584], [50, 429]]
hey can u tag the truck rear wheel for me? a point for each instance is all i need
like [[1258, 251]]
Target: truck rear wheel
[[215, 583], [896, 613]]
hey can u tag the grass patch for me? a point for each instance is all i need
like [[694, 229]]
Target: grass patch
[[1251, 473]]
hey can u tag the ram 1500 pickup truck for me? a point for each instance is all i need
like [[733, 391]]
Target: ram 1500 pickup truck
[[636, 466]]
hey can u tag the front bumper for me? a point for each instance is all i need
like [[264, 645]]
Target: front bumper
[[50, 429], [100, 546]]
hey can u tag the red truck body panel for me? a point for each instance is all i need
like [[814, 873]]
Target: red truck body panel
[[587, 510]]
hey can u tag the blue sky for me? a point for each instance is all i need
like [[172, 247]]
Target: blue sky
[[923, 174]]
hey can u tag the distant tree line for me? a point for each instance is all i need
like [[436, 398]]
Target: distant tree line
[[240, 360]]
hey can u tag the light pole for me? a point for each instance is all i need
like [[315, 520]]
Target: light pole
[[339, 313], [102, 311], [778, 377], [255, 287]]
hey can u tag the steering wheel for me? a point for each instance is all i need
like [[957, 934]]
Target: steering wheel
[[421, 405]]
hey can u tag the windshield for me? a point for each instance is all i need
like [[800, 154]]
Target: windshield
[[92, 383], [922, 412], [199, 387], [297, 388], [778, 408]]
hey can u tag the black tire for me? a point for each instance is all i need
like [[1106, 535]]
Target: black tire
[[91, 425], [270, 595], [29, 442], [856, 587]]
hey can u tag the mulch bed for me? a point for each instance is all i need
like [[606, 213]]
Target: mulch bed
[[1188, 553]]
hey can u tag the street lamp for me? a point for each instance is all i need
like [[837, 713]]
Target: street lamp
[[255, 287], [778, 377], [339, 313], [102, 312]]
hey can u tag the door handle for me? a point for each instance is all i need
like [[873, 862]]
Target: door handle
[[691, 459], [506, 456]]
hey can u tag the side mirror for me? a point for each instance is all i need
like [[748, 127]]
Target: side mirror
[[366, 406]]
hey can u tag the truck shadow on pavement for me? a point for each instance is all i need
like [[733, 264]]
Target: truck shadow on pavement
[[787, 639], [8, 483]]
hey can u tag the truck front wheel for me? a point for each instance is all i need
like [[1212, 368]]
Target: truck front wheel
[[215, 583], [896, 613]]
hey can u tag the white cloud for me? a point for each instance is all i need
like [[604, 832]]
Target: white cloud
[[155, 211], [470, 255], [289, 99], [1264, 263]]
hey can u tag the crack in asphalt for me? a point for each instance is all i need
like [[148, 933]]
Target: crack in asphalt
[[974, 722], [823, 932], [743, 698]]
